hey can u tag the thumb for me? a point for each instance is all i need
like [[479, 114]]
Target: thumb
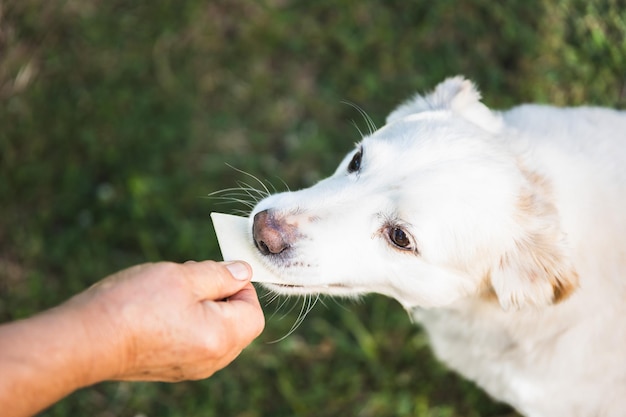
[[219, 280], [239, 270]]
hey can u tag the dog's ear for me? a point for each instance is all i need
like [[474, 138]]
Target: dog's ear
[[536, 269], [457, 95]]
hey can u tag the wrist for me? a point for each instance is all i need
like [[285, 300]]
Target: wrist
[[100, 351], [48, 356]]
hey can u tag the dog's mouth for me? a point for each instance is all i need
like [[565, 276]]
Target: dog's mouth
[[307, 286], [299, 289]]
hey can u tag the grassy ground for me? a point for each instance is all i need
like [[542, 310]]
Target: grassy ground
[[117, 119]]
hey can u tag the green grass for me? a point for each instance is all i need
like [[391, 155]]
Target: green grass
[[118, 118]]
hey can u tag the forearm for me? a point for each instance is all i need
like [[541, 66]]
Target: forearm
[[158, 322], [46, 357]]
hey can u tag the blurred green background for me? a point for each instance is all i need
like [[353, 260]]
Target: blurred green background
[[118, 118]]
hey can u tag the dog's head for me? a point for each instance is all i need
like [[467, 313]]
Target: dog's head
[[431, 208]]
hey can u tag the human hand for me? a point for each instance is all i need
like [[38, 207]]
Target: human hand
[[171, 322]]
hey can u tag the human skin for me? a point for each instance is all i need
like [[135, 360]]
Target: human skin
[[151, 322]]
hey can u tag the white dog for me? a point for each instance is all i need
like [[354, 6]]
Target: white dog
[[503, 233]]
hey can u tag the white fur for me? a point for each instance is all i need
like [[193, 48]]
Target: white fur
[[519, 221]]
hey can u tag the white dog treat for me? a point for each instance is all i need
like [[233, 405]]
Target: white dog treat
[[234, 236]]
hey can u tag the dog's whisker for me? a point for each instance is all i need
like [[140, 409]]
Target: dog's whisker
[[321, 300], [229, 196], [244, 186], [244, 194], [309, 302], [371, 126], [234, 197], [246, 203], [354, 123], [254, 194], [307, 305], [285, 184], [254, 177], [368, 120], [272, 297], [241, 198], [240, 212], [283, 303], [275, 190]]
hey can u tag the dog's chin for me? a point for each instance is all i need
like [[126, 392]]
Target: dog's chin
[[340, 290]]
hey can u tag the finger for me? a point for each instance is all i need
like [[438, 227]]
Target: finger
[[215, 281], [246, 295], [243, 310]]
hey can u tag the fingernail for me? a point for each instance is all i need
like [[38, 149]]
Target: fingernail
[[239, 270]]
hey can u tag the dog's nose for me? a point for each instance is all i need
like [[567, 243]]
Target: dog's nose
[[271, 235]]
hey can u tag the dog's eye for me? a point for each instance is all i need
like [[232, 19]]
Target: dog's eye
[[399, 238], [355, 164]]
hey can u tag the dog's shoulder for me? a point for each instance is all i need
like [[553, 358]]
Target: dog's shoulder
[[592, 133], [544, 117]]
